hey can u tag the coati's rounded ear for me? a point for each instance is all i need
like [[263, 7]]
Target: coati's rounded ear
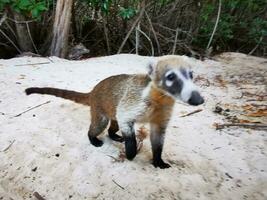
[[151, 67]]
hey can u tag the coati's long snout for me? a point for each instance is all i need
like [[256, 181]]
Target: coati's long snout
[[78, 97], [174, 76], [195, 99]]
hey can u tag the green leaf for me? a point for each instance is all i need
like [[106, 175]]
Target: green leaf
[[24, 4], [127, 13]]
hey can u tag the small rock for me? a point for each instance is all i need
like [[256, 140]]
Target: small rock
[[34, 169], [218, 109]]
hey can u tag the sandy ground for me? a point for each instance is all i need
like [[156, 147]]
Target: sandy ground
[[47, 150]]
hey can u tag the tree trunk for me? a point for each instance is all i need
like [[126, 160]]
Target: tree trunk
[[59, 46], [23, 36]]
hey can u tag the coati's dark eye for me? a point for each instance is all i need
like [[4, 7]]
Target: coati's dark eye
[[191, 74], [171, 77]]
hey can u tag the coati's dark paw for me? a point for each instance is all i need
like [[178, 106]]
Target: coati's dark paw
[[161, 164], [130, 148], [96, 142], [116, 137]]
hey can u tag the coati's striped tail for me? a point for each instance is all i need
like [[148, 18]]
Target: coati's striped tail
[[82, 98]]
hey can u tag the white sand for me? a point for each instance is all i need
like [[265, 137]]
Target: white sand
[[206, 163]]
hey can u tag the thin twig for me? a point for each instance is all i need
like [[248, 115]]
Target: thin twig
[[20, 22], [154, 32], [38, 196], [152, 48], [30, 35], [118, 184], [41, 63], [3, 18], [252, 126], [173, 30], [106, 35], [228, 175], [137, 38], [10, 41], [50, 59], [216, 24], [191, 113], [31, 108], [11, 30], [8, 146], [115, 159], [132, 28], [175, 41], [254, 49]]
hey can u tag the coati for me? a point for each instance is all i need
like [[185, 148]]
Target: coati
[[126, 99]]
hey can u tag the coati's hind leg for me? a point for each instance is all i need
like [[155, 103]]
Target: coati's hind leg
[[114, 127], [97, 126]]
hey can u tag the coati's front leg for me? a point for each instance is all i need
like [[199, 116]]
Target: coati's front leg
[[130, 140], [157, 140], [113, 129]]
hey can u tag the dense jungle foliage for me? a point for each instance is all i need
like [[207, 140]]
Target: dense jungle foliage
[[194, 27]]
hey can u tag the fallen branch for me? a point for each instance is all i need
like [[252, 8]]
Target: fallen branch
[[252, 126], [41, 63], [8, 146], [191, 113], [31, 109], [38, 196], [118, 184]]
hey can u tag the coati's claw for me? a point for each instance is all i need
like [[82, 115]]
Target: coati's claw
[[161, 164], [96, 142], [116, 137]]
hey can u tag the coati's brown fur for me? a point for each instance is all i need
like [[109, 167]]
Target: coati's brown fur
[[124, 100]]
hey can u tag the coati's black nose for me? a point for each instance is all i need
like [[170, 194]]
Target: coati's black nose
[[195, 99]]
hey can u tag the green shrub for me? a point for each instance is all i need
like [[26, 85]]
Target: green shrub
[[30, 8], [240, 21]]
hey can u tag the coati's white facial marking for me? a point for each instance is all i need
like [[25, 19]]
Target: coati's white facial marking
[[188, 86], [169, 83], [187, 90], [169, 80], [178, 83]]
